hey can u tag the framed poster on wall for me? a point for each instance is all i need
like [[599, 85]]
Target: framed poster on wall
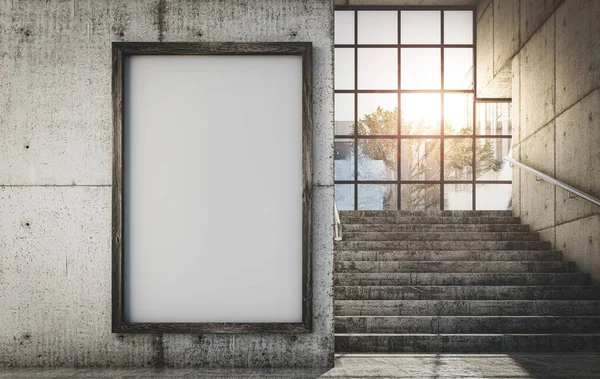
[[212, 187]]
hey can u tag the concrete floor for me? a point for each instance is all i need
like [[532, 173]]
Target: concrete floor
[[405, 366]]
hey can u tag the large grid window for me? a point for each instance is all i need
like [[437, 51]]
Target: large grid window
[[409, 132]]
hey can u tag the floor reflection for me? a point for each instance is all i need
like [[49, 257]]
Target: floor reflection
[[447, 366], [405, 366]]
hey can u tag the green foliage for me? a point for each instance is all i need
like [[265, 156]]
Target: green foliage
[[421, 157]]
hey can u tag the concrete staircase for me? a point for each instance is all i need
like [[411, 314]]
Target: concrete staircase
[[457, 282]]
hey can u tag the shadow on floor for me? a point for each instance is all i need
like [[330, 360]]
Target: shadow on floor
[[404, 366], [450, 366]]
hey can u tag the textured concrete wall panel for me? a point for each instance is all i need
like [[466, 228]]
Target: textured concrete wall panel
[[56, 129], [56, 282], [516, 132], [516, 183], [516, 99], [485, 51], [533, 15], [537, 81], [494, 51], [578, 51], [580, 242], [538, 197], [549, 235], [578, 157], [481, 7], [555, 84], [506, 32]]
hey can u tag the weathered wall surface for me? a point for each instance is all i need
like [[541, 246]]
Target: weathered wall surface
[[55, 177], [553, 51]]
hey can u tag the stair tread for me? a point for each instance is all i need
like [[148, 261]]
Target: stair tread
[[392, 274], [424, 267], [428, 220], [445, 232], [426, 224], [466, 334], [398, 273], [466, 261], [447, 252], [461, 301], [480, 286], [472, 316], [443, 245]]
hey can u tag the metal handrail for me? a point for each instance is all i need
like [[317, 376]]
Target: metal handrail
[[338, 224], [554, 181]]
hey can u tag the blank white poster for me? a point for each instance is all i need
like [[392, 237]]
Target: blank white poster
[[213, 188]]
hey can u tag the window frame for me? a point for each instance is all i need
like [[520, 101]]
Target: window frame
[[474, 137]]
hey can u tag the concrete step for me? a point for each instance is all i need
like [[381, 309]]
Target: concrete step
[[448, 255], [432, 213], [467, 308], [454, 266], [429, 220], [466, 293], [460, 279], [442, 245], [441, 236], [467, 324], [352, 228], [466, 343]]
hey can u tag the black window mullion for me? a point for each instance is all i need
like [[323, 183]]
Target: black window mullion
[[474, 143], [355, 110], [442, 161], [393, 91], [399, 137], [474, 156], [399, 122]]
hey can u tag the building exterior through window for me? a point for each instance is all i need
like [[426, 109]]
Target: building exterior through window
[[409, 132]]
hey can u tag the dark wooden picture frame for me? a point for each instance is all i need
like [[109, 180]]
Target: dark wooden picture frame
[[121, 50]]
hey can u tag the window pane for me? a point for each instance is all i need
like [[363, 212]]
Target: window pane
[[344, 159], [377, 197], [420, 197], [344, 197], [344, 68], [490, 152], [344, 27], [378, 113], [420, 159], [494, 118], [458, 113], [344, 113], [458, 27], [421, 69], [378, 68], [458, 159], [458, 197], [494, 197], [377, 159], [421, 113], [378, 27], [458, 68], [420, 27]]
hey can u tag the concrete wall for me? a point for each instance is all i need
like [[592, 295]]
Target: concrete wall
[[55, 177], [552, 50]]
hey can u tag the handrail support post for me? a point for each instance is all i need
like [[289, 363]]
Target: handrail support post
[[574, 193], [337, 224]]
